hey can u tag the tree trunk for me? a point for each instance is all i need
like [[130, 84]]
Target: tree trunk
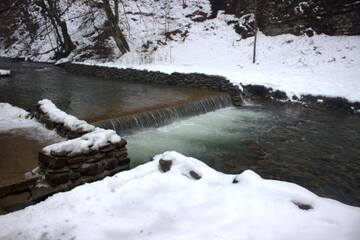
[[255, 31], [115, 31], [63, 37], [116, 9]]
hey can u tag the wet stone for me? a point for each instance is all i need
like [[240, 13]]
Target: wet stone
[[111, 163], [107, 148], [165, 165], [194, 175], [76, 160], [303, 206], [74, 175], [57, 179], [91, 169], [123, 162], [58, 154]]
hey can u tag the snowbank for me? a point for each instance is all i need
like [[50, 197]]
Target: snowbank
[[14, 119], [146, 203], [90, 141], [4, 73], [58, 116]]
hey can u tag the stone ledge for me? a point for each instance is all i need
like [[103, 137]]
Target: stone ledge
[[193, 80]]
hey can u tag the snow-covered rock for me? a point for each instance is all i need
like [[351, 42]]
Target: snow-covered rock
[[58, 116], [84, 144], [146, 203], [4, 73]]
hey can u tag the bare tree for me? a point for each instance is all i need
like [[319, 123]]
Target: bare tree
[[113, 24], [255, 30], [52, 12]]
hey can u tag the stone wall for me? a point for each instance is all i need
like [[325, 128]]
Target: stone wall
[[75, 169], [61, 170], [194, 80], [59, 127], [276, 17], [259, 92]]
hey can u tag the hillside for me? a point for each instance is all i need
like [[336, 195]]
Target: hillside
[[200, 37]]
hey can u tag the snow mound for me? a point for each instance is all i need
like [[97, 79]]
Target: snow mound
[[148, 203], [4, 73], [58, 116], [90, 141]]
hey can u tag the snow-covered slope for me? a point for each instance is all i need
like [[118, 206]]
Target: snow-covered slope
[[165, 36], [146, 203], [318, 65]]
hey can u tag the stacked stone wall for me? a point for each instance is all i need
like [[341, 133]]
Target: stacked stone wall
[[60, 171], [194, 80]]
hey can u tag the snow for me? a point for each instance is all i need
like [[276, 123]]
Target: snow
[[58, 116], [4, 72], [298, 65], [319, 65], [90, 141], [145, 203], [15, 120]]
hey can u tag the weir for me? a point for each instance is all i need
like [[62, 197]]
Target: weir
[[165, 115]]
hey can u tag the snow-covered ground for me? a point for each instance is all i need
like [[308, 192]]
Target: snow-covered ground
[[4, 72], [146, 203], [320, 65], [15, 120]]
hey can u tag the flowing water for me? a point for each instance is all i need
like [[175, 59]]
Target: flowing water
[[315, 148], [90, 98], [104, 101]]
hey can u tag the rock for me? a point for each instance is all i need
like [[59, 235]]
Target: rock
[[111, 163], [74, 176], [76, 160], [279, 95], [165, 165], [51, 162], [302, 206], [58, 153], [88, 169], [124, 162], [57, 179], [194, 175], [107, 148]]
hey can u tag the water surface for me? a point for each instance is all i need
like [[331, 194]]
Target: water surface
[[89, 98], [315, 148]]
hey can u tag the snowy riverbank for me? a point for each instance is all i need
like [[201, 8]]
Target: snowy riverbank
[[321, 65], [146, 203], [15, 120]]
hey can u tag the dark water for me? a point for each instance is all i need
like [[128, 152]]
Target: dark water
[[88, 98], [315, 148]]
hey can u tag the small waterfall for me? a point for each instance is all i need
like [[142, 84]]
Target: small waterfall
[[162, 116]]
